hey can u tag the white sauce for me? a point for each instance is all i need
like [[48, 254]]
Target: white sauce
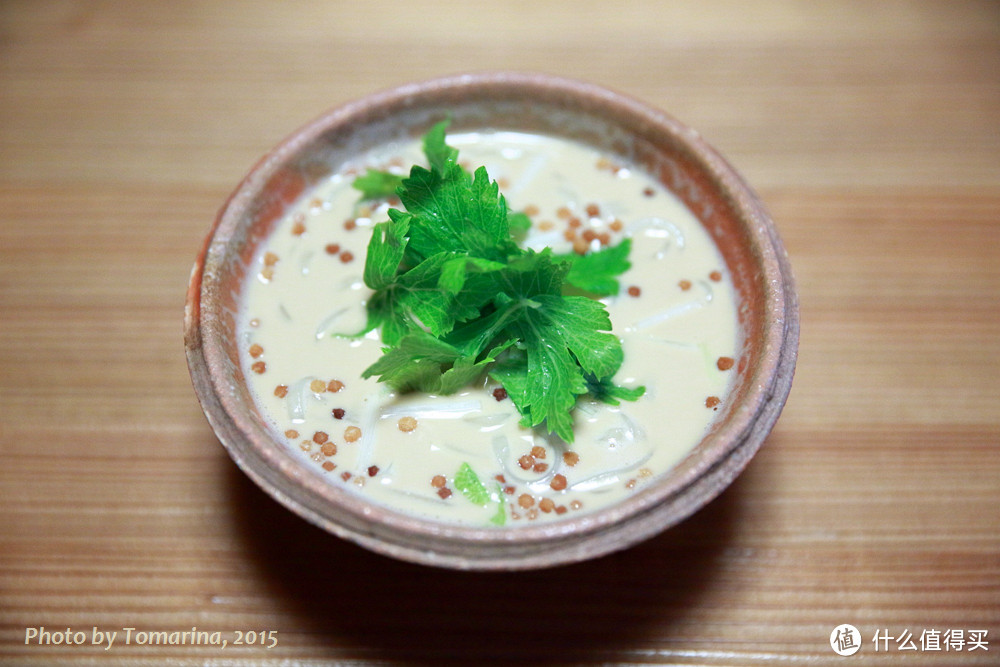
[[673, 334]]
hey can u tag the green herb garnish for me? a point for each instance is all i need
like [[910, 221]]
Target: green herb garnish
[[456, 296], [470, 486]]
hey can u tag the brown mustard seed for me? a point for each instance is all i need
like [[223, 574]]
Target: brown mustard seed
[[372, 471], [298, 228], [444, 493], [500, 478], [258, 367], [319, 437], [630, 484], [540, 467], [589, 235], [725, 363], [317, 386], [407, 424], [346, 256], [329, 466], [558, 483], [571, 458], [546, 225], [712, 402], [569, 234], [291, 433], [564, 212], [604, 238], [532, 514], [525, 500], [270, 259], [575, 505], [328, 449], [593, 210], [531, 209], [547, 505], [634, 290], [538, 452], [352, 433], [645, 472], [509, 490], [499, 393], [685, 285], [649, 192], [267, 273], [350, 224], [715, 276], [526, 462], [580, 247], [345, 475], [332, 248], [574, 222], [561, 509], [338, 413], [616, 225], [256, 350], [439, 481], [333, 386], [281, 390], [306, 445]]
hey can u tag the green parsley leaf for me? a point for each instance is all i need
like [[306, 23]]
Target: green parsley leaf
[[456, 297], [376, 184], [596, 272], [469, 484]]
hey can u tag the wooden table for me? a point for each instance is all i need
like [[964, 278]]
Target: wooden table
[[871, 130]]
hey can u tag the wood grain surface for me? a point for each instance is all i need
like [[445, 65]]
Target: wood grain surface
[[872, 132]]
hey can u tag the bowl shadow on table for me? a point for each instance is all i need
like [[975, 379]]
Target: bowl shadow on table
[[355, 604]]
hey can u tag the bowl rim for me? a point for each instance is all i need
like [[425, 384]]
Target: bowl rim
[[706, 471]]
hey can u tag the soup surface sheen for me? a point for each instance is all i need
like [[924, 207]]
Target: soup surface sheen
[[675, 314]]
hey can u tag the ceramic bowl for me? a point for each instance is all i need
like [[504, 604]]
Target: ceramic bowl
[[617, 124]]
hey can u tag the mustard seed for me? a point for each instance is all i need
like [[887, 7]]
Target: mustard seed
[[634, 290], [338, 413], [352, 433], [538, 452], [525, 500], [319, 437], [328, 449], [256, 350], [439, 481], [407, 424], [725, 363], [329, 465], [558, 483], [317, 386], [259, 367], [571, 458], [547, 505], [540, 467], [444, 493], [291, 433], [333, 386], [281, 390], [526, 462]]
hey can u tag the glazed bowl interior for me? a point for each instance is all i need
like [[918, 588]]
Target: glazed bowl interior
[[610, 122]]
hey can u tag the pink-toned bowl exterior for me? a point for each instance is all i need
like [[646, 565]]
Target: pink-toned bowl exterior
[[725, 204]]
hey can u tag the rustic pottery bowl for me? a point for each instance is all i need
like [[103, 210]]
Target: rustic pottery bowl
[[718, 196]]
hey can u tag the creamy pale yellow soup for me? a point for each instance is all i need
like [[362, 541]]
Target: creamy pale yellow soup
[[675, 315]]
